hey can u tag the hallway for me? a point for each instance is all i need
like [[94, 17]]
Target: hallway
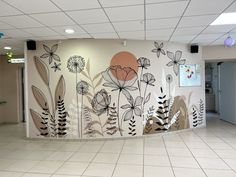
[[202, 152]]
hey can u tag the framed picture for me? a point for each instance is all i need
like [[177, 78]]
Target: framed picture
[[190, 75]]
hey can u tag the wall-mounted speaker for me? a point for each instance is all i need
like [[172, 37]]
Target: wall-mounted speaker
[[194, 48], [31, 45]]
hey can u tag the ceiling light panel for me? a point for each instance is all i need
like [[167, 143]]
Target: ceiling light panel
[[225, 19], [21, 21], [165, 10], [125, 13], [219, 29], [89, 16], [53, 19], [98, 28], [6, 10], [76, 4], [196, 21], [61, 29], [206, 7], [109, 3], [161, 23], [33, 6], [129, 26]]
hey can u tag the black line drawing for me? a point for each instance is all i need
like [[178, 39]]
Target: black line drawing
[[82, 89], [56, 67], [169, 80], [50, 53], [159, 49], [175, 61], [201, 112], [57, 107], [132, 130], [120, 79], [75, 64], [195, 116]]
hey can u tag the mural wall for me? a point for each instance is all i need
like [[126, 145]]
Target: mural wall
[[100, 88]]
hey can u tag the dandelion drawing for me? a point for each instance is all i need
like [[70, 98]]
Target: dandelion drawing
[[75, 64], [169, 80], [82, 88]]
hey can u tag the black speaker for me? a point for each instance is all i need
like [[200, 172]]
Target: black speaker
[[31, 45], [194, 48]]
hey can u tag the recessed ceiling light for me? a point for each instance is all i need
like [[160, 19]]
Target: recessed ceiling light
[[69, 31], [225, 19], [7, 48]]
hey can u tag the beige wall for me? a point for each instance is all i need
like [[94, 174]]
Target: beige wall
[[219, 52], [9, 91]]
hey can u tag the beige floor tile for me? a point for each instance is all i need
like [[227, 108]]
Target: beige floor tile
[[128, 171], [99, 169], [150, 171], [130, 159], [72, 168], [220, 173], [46, 167], [106, 158], [154, 160], [185, 162], [188, 172], [212, 163]]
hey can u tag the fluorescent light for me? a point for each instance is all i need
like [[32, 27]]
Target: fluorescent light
[[7, 48], [225, 19], [69, 31]]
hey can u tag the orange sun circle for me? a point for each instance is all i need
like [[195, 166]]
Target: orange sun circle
[[124, 59]]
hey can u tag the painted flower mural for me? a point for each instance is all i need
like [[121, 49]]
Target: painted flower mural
[[101, 102], [50, 53], [82, 88], [175, 60], [143, 63], [148, 79], [159, 49], [76, 64]]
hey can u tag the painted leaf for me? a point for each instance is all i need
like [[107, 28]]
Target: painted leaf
[[96, 76], [88, 67], [42, 70], [54, 48], [60, 90], [38, 122], [40, 98], [91, 124], [84, 73], [99, 82], [89, 99], [147, 98]]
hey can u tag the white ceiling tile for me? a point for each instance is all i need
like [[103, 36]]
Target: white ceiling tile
[[161, 23], [114, 3], [89, 16], [78, 36], [188, 31], [77, 4], [219, 29], [160, 1], [6, 10], [232, 8], [5, 26], [184, 38], [165, 10], [129, 26], [98, 28], [132, 35], [33, 6], [158, 38], [195, 21], [61, 29], [48, 38], [125, 13], [203, 7], [105, 36], [206, 38], [16, 33], [53, 19], [21, 21], [41, 31], [163, 32]]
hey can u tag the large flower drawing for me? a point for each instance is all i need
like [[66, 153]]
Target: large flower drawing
[[50, 53], [120, 78], [143, 62], [132, 108], [101, 102], [175, 61], [149, 79], [159, 49]]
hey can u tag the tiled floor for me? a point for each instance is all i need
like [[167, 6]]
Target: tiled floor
[[203, 152]]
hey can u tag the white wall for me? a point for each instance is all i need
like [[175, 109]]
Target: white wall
[[228, 88]]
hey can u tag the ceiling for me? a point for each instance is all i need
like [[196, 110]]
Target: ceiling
[[184, 21]]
